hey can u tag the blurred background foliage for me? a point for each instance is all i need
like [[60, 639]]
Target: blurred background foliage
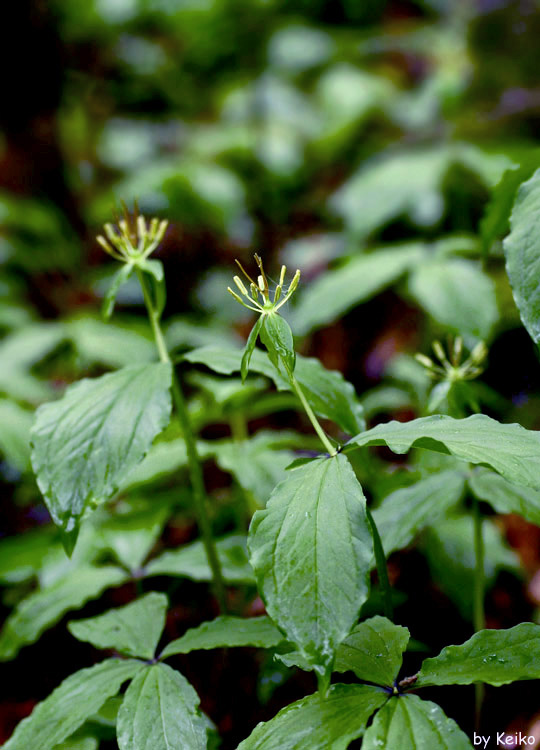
[[376, 145]]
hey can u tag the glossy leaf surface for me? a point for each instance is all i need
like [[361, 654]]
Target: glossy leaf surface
[[160, 712], [311, 550], [86, 443], [316, 723]]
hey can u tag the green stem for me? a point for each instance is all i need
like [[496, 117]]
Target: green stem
[[194, 463], [479, 617], [312, 418], [382, 572]]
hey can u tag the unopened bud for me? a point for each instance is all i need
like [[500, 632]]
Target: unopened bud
[[260, 281], [425, 361], [479, 353], [439, 351], [294, 283]]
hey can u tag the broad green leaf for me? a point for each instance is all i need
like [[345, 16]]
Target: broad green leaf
[[258, 463], [15, 424], [392, 185], [328, 393], [449, 550], [250, 346], [277, 337], [44, 608], [226, 631], [67, 707], [22, 555], [78, 743], [373, 651], [361, 277], [316, 723], [457, 294], [493, 656], [118, 280], [505, 497], [314, 532], [496, 219], [132, 630], [160, 711], [164, 457], [189, 561], [131, 536], [408, 510], [87, 443], [109, 344], [510, 449], [522, 251], [409, 723]]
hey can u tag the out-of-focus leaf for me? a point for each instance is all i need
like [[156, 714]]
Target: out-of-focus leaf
[[190, 561], [44, 608], [15, 423], [496, 220], [258, 463], [408, 510], [132, 535], [109, 344], [522, 250], [449, 549], [22, 555], [505, 497], [457, 294], [298, 48], [328, 393], [363, 276]]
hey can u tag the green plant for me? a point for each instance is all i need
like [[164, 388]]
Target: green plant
[[311, 549]]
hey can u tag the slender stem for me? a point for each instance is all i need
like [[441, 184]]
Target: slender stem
[[479, 617], [312, 418], [194, 463], [382, 572]]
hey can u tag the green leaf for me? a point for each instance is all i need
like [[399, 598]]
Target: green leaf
[[118, 280], [250, 346], [277, 337], [407, 511], [328, 393], [505, 497], [22, 555], [493, 656], [160, 711], [131, 536], [409, 723], [373, 651], [78, 743], [154, 268], [522, 251], [258, 463], [457, 294], [226, 631], [510, 449], [316, 723], [67, 707], [132, 630], [85, 444], [15, 423], [496, 219], [44, 608], [190, 561], [314, 532], [449, 550], [108, 344], [337, 291]]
